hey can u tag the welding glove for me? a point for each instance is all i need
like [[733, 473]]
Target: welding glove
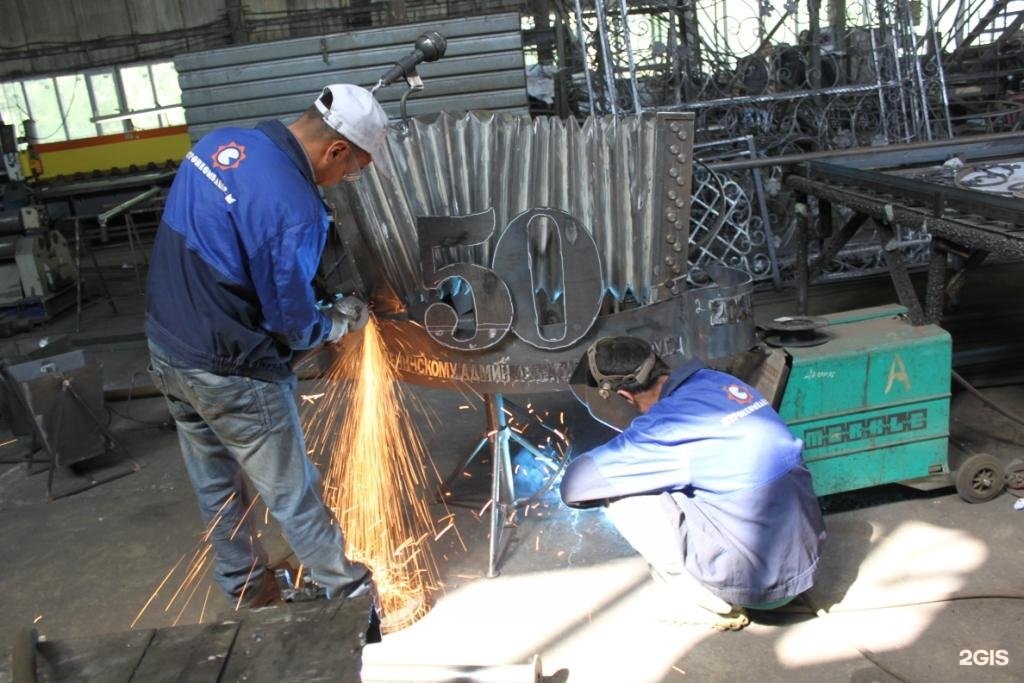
[[348, 315]]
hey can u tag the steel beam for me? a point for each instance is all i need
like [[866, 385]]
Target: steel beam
[[939, 198], [955, 230], [887, 156]]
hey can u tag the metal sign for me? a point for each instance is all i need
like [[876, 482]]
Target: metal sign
[[506, 245]]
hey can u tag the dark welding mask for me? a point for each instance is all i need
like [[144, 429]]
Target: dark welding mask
[[608, 384], [596, 390]]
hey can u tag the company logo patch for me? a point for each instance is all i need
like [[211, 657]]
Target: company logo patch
[[734, 392], [228, 156]]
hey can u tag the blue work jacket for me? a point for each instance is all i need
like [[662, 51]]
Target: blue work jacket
[[230, 278], [753, 526]]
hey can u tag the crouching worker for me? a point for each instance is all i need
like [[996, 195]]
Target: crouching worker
[[707, 483]]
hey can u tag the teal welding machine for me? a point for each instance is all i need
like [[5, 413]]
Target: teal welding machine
[[869, 397]]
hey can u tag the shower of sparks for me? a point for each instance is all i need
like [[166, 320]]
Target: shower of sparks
[[375, 476], [193, 571], [375, 481], [206, 599]]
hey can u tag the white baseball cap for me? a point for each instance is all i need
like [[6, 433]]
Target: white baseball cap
[[354, 113]]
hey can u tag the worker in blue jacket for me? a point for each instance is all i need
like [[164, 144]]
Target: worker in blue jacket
[[230, 300], [707, 484]]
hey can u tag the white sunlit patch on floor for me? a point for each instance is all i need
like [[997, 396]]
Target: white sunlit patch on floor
[[593, 621], [917, 564]]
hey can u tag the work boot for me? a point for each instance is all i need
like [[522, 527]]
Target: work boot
[[733, 621], [360, 586], [262, 592], [311, 590]]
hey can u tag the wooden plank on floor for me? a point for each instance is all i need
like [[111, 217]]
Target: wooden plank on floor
[[187, 653], [320, 640], [112, 659]]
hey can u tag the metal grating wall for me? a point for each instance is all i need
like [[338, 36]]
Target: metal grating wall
[[483, 68]]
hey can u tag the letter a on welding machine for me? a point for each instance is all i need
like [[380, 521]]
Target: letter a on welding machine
[[897, 373]]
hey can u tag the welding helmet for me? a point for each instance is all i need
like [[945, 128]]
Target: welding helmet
[[597, 390], [608, 384]]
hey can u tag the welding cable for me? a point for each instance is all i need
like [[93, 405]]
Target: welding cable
[[984, 399], [810, 608], [919, 603], [128, 404], [871, 656]]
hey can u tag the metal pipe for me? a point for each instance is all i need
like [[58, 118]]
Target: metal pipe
[[787, 159], [624, 15], [124, 206], [940, 69], [128, 115], [586, 59], [900, 90], [883, 121], [502, 491], [606, 58], [776, 97], [762, 206], [911, 48]]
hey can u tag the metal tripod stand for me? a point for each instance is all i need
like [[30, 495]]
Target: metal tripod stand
[[503, 501]]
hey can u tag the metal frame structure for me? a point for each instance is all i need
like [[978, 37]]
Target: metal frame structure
[[798, 77], [968, 224]]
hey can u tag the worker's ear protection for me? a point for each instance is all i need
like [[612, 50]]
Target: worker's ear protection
[[607, 384]]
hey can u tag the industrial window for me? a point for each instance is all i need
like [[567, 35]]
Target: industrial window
[[106, 101], [98, 102], [12, 103], [73, 94], [168, 92], [44, 108]]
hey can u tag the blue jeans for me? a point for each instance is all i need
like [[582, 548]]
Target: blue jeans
[[228, 425]]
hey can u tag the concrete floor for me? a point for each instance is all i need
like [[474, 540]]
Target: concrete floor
[[913, 585]]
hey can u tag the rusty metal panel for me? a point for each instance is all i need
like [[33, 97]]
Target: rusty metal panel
[[483, 69]]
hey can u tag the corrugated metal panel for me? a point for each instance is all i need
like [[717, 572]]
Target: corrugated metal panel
[[483, 68], [626, 180]]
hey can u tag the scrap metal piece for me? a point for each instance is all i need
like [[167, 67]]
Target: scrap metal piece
[[718, 318]]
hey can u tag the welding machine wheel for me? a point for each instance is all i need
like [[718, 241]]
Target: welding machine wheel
[[1015, 477], [980, 478]]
